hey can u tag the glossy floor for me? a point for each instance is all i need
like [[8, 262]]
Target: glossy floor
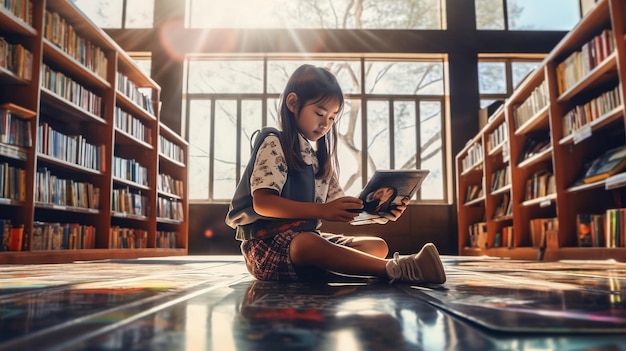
[[211, 303]]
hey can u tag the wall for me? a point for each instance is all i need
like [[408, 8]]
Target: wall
[[418, 225]]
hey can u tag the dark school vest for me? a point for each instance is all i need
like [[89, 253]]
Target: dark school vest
[[299, 186]]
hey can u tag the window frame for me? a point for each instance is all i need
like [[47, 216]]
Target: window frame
[[265, 96]]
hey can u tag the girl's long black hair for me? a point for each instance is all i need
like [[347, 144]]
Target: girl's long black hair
[[312, 85]]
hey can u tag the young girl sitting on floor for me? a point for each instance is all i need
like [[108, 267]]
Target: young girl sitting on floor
[[291, 185]]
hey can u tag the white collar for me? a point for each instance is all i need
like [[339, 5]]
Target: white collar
[[306, 150]]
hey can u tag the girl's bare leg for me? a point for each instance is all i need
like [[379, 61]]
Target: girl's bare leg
[[370, 244], [308, 249]]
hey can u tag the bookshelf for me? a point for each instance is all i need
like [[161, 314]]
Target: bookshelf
[[83, 154], [564, 115]]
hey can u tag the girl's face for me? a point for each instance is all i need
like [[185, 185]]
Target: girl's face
[[315, 119]]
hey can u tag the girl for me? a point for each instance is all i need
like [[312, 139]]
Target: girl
[[291, 184]]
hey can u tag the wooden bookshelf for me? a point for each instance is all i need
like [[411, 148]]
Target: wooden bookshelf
[[574, 103], [88, 182]]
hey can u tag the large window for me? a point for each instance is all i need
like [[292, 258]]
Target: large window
[[336, 14], [341, 14], [527, 14], [114, 13], [394, 117]]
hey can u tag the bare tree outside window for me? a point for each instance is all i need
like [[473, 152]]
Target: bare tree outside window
[[526, 14], [110, 13], [344, 14], [104, 13], [497, 78]]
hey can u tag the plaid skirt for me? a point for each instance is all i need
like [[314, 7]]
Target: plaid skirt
[[268, 259]]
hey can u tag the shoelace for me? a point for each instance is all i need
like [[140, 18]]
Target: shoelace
[[409, 268], [396, 257]]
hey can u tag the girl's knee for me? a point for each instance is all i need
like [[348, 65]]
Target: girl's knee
[[303, 247], [381, 249]]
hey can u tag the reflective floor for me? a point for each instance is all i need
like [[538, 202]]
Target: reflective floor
[[211, 303]]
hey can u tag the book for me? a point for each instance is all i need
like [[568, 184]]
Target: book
[[385, 191], [608, 164]]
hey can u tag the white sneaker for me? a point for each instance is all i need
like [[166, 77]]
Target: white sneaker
[[422, 267]]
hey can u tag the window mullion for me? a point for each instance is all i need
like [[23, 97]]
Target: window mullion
[[212, 150]]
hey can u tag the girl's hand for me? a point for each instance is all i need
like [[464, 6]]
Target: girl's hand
[[399, 210], [338, 210]]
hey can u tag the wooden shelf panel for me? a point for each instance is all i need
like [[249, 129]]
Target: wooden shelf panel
[[123, 138], [55, 162], [55, 57], [616, 116], [65, 110], [542, 156], [537, 122], [604, 72], [11, 23], [9, 78], [131, 107]]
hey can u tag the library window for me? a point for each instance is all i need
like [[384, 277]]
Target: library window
[[114, 13], [340, 14], [498, 77], [388, 121], [527, 14]]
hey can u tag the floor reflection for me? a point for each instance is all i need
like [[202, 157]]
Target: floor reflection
[[485, 305]]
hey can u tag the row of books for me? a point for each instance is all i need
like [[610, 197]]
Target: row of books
[[473, 157], [500, 178], [125, 201], [541, 183], [169, 185], [478, 235], [609, 163], [130, 170], [51, 189], [505, 206], [12, 182], [474, 192], [504, 237], [127, 87], [537, 100], [71, 90], [128, 238], [166, 240], [69, 148], [12, 151], [606, 229], [582, 115], [170, 209], [63, 236], [12, 236], [14, 129], [534, 144], [498, 136], [17, 59], [132, 125], [170, 149], [540, 229], [22, 9], [578, 64], [61, 33]]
